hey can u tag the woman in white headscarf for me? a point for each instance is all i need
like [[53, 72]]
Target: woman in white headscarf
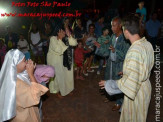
[[19, 91]]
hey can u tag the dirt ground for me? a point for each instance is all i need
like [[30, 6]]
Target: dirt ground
[[87, 104]]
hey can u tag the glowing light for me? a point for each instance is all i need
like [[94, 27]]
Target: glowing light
[[2, 12]]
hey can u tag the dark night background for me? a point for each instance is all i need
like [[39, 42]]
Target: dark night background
[[94, 7], [86, 7]]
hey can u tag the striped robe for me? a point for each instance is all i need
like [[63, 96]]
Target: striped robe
[[135, 82]]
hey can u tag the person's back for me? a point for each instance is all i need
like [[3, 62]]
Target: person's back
[[139, 59], [145, 49], [137, 66]]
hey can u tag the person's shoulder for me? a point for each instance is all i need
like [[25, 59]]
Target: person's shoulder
[[149, 22], [53, 38], [21, 82], [135, 50], [141, 45], [121, 37], [113, 35], [108, 36], [101, 37]]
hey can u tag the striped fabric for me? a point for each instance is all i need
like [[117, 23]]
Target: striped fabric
[[135, 82]]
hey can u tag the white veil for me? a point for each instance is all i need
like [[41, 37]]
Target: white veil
[[8, 78]]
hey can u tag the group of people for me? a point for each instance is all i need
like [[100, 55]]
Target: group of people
[[137, 66], [128, 55]]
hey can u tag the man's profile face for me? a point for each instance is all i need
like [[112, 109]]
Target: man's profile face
[[116, 28]]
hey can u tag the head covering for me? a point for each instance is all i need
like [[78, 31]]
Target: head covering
[[8, 78], [42, 70]]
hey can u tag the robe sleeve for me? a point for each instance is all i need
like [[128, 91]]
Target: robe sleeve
[[133, 74], [57, 46], [29, 95], [72, 41]]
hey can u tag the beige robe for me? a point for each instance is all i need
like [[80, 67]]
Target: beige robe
[[27, 99], [64, 78], [135, 82]]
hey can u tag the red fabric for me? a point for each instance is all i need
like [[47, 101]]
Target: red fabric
[[79, 55], [79, 64]]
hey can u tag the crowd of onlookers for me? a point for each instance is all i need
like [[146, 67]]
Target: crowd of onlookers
[[93, 35], [81, 43]]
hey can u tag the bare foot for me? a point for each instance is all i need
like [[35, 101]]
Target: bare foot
[[71, 93], [59, 95], [77, 77], [81, 78]]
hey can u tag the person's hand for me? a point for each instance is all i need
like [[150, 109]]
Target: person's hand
[[102, 84], [30, 67], [107, 41], [68, 33], [85, 37], [112, 48], [120, 73], [97, 44]]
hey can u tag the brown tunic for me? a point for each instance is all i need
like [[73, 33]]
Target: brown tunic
[[27, 97]]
